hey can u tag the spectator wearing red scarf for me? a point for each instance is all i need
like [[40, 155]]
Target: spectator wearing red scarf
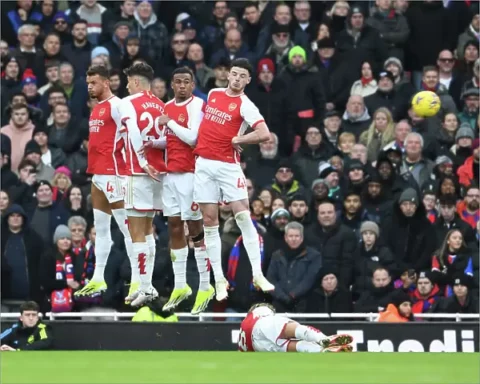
[[426, 293]]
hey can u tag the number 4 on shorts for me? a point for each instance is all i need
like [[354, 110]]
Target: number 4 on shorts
[[241, 182], [109, 187]]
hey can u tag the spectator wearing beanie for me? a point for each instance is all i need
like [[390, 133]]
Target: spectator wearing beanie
[[328, 296], [468, 173], [306, 96], [426, 293], [399, 310], [286, 184], [116, 44], [371, 255], [463, 300], [267, 94], [375, 199], [402, 84], [33, 153], [463, 145], [279, 219], [408, 233]]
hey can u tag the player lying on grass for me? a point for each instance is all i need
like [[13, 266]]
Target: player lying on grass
[[265, 331]]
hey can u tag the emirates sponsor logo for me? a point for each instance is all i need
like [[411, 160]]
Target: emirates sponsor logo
[[217, 116]]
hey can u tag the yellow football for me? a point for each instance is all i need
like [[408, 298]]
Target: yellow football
[[426, 104]]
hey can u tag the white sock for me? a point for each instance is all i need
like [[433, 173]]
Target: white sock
[[203, 270], [143, 256], [179, 261], [213, 246], [308, 347], [120, 216], [152, 250], [303, 332], [103, 242], [250, 241]]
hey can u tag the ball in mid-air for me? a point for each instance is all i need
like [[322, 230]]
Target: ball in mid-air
[[426, 104]]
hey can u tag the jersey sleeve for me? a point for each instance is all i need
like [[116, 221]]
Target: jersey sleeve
[[128, 118], [115, 111], [195, 115], [250, 113]]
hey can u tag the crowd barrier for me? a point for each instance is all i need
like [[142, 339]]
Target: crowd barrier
[[419, 336]]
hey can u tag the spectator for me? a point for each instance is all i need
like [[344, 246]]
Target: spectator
[[96, 17], [285, 183], [378, 295], [329, 297], [51, 156], [310, 154], [298, 208], [471, 33], [293, 270], [280, 46], [452, 258], [45, 218], [26, 53], [263, 167], [76, 91], [21, 250], [116, 45], [352, 213], [414, 164], [61, 27], [19, 130], [469, 115], [331, 127], [431, 82], [8, 178], [448, 77], [408, 233], [78, 228], [446, 136], [64, 132], [61, 270], [202, 73], [232, 48], [14, 20], [426, 295], [221, 72], [379, 134], [392, 26], [356, 118], [77, 163], [402, 84], [367, 85], [398, 310], [75, 202], [335, 241], [279, 220], [29, 333], [33, 153], [359, 42], [375, 199], [11, 77], [251, 24], [62, 180], [52, 76], [214, 33], [4, 202], [468, 172], [462, 300], [332, 180], [468, 208]]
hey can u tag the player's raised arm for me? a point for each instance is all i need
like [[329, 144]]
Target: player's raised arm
[[252, 116], [128, 117], [195, 115]]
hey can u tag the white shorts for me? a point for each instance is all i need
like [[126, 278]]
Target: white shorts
[[143, 195], [266, 334], [113, 187], [218, 181], [178, 196]]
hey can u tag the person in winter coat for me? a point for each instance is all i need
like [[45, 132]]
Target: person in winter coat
[[463, 299], [378, 295], [310, 154], [374, 198], [328, 296], [335, 241], [293, 270], [453, 258], [431, 82], [408, 233], [366, 85], [370, 256], [356, 118], [285, 183], [426, 293], [380, 133], [392, 26], [399, 310], [468, 173]]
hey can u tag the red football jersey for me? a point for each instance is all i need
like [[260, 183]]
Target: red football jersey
[[189, 114], [245, 343], [140, 114], [225, 117], [105, 141]]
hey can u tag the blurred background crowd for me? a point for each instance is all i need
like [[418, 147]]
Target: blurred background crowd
[[359, 203]]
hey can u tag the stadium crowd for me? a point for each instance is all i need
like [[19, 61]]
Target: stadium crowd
[[360, 204]]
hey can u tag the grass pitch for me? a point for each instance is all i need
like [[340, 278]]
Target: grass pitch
[[234, 367]]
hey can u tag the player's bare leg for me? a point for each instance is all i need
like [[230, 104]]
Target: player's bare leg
[[205, 291], [120, 215], [250, 241], [213, 246], [309, 339], [102, 216], [138, 226]]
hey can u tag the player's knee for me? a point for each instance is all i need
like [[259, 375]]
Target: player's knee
[[198, 238], [210, 220], [177, 232], [102, 222]]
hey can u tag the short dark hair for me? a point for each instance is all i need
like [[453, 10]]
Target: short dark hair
[[250, 4], [60, 105], [80, 21], [242, 63], [448, 200], [26, 163], [140, 69], [29, 306], [99, 70], [115, 72], [56, 89], [429, 68], [16, 107], [53, 34], [183, 71], [17, 93]]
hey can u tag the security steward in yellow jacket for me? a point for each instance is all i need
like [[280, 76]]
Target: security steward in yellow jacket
[[29, 333]]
